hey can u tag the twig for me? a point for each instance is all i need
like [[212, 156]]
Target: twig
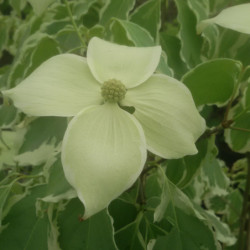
[[240, 129], [74, 23]]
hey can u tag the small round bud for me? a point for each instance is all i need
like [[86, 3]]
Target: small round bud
[[113, 90]]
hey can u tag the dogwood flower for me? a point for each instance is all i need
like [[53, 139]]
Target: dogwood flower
[[105, 147]]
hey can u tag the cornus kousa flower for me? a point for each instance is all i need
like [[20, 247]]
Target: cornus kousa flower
[[104, 148]]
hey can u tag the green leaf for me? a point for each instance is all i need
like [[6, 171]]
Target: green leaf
[[36, 50], [4, 193], [148, 16], [18, 5], [212, 175], [128, 33], [234, 205], [120, 206], [200, 8], [8, 114], [10, 142], [130, 237], [239, 140], [189, 233], [57, 190], [182, 171], [213, 82], [171, 198], [25, 230], [115, 9], [211, 180], [163, 67], [172, 46], [94, 233], [81, 8], [232, 44], [246, 100], [222, 230], [211, 34], [5, 28], [191, 42], [43, 130], [40, 6], [68, 39]]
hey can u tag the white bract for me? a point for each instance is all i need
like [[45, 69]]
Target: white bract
[[105, 147], [236, 18]]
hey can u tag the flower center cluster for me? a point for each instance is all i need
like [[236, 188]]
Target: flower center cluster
[[113, 90]]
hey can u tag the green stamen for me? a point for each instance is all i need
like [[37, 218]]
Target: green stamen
[[113, 90]]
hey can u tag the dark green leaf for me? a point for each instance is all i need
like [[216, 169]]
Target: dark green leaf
[[172, 45], [25, 230], [239, 140], [148, 16], [190, 233], [117, 9], [92, 234], [191, 43]]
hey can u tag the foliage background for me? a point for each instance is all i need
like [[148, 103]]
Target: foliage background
[[197, 202]]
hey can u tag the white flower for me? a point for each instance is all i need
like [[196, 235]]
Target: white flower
[[104, 148]]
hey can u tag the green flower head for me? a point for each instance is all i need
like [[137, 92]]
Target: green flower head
[[104, 148]]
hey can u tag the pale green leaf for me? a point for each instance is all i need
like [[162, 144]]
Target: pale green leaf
[[212, 174], [10, 142], [61, 86], [236, 18], [166, 111], [128, 33], [38, 156], [171, 199], [130, 65], [43, 130], [103, 153], [222, 230]]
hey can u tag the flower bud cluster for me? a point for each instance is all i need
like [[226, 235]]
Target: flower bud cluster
[[113, 90]]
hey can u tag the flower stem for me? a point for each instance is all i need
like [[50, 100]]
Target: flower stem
[[245, 211], [241, 129], [74, 24], [3, 142]]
